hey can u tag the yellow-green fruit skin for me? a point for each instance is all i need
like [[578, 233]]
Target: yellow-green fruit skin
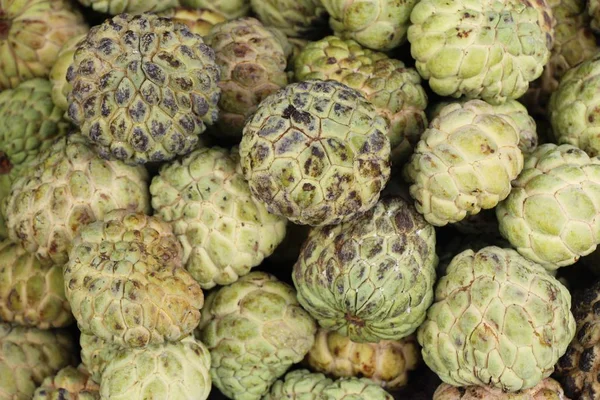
[[114, 7], [548, 389], [96, 353], [199, 21], [230, 9], [58, 75], [295, 18], [69, 383]]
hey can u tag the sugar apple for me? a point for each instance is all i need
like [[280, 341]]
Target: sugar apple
[[376, 24], [67, 187], [593, 9], [126, 282], [114, 7], [300, 384], [393, 89], [224, 231], [552, 215], [31, 294], [548, 389], [174, 371], [58, 74], [498, 319], [255, 330], [464, 162], [199, 21], [144, 88], [387, 362], [69, 383], [316, 152], [355, 389], [96, 353], [296, 18], [252, 61], [230, 9], [30, 355], [31, 34], [487, 49], [448, 249], [371, 278]]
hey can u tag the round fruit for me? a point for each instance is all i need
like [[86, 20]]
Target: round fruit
[[115, 7], [354, 389], [548, 389], [69, 383], [299, 384], [199, 21]]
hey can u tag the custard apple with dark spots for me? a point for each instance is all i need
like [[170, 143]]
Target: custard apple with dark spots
[[548, 389], [317, 153], [144, 88], [69, 383]]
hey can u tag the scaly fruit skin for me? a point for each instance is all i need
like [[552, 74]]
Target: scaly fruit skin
[[579, 369], [295, 18], [58, 74], [371, 278], [573, 113], [255, 330], [393, 89], [299, 385], [199, 21], [230, 9], [224, 231], [96, 353], [593, 9], [355, 389], [252, 62], [31, 35], [387, 362], [31, 294], [114, 7], [174, 371], [376, 24], [498, 320], [69, 383], [144, 88], [316, 152], [126, 283], [552, 215], [67, 187], [548, 389], [30, 355], [479, 49]]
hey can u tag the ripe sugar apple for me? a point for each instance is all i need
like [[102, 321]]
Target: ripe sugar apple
[[393, 89], [174, 371], [144, 88], [31, 294], [296, 18], [199, 21], [114, 7], [224, 231], [31, 34], [548, 389], [252, 61], [126, 283], [376, 24], [487, 49], [371, 278], [67, 187], [230, 9], [69, 383], [316, 152], [387, 362], [552, 215], [497, 320], [464, 162], [96, 353], [30, 355], [355, 389], [255, 330], [300, 384], [58, 74]]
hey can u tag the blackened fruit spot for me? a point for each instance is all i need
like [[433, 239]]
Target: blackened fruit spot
[[5, 25]]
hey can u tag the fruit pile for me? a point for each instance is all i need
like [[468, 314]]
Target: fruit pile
[[300, 199]]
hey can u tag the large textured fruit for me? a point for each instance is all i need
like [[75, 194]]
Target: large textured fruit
[[199, 21], [548, 389], [67, 187], [252, 61], [58, 75], [31, 34], [224, 231], [464, 162], [144, 88], [316, 152], [69, 383], [174, 371], [387, 362], [552, 215], [230, 9], [96, 353], [299, 385], [498, 320], [371, 278], [487, 49], [296, 18], [115, 7], [393, 89], [31, 294], [355, 389], [126, 283], [376, 24], [255, 330], [28, 356]]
